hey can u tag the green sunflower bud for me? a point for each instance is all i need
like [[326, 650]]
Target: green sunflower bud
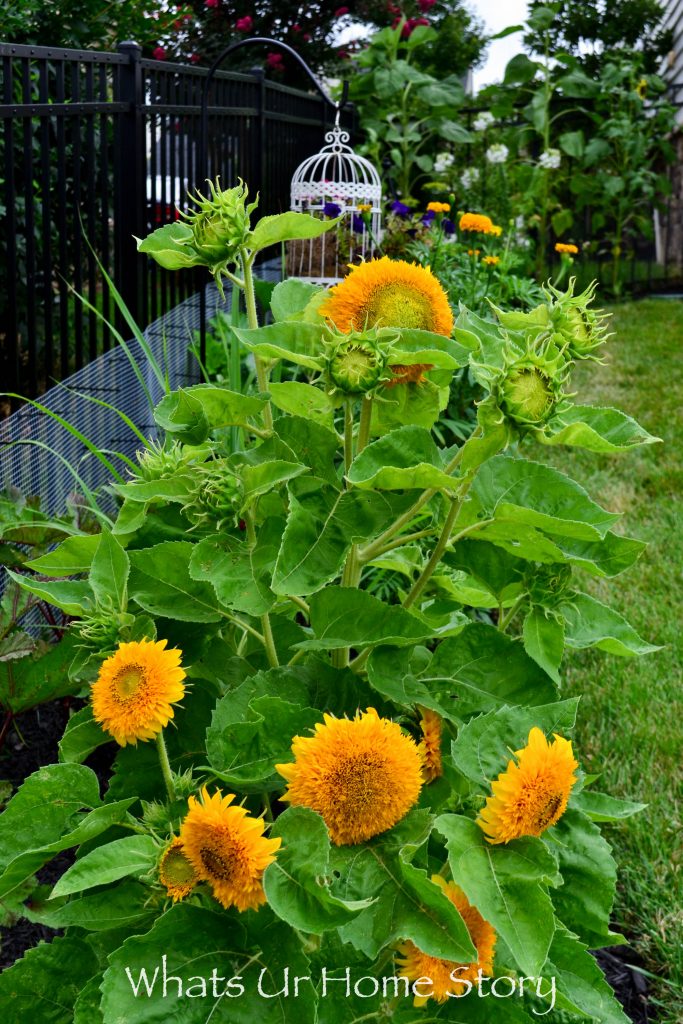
[[581, 329], [356, 362], [530, 387], [220, 224], [548, 584], [161, 461], [216, 498]]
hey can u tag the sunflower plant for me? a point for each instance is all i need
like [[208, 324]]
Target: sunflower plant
[[325, 806]]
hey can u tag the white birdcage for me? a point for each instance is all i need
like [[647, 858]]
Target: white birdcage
[[335, 182]]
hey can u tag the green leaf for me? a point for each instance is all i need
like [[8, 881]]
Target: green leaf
[[44, 985], [544, 640], [182, 416], [412, 345], [192, 942], [482, 750], [417, 404], [507, 886], [561, 221], [132, 855], [601, 807], [295, 341], [589, 623], [284, 227], [122, 906], [87, 1005], [171, 246], [572, 143], [520, 70], [304, 400], [252, 729], [578, 85], [290, 298], [296, 883], [43, 676], [521, 491], [73, 596], [109, 573], [598, 430], [160, 582], [266, 476], [581, 985], [584, 902], [226, 562], [190, 413], [346, 617], [407, 904], [405, 458], [81, 736], [74, 555], [312, 444]]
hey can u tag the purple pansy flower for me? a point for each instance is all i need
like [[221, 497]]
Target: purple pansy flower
[[358, 223], [428, 217], [448, 226], [331, 210], [399, 208]]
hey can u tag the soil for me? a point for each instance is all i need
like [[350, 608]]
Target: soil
[[34, 743]]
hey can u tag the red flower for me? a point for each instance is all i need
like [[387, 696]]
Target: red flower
[[274, 62], [425, 5], [419, 21], [244, 24], [307, 37], [212, 3], [159, 53], [296, 28], [344, 54], [195, 58], [341, 11]]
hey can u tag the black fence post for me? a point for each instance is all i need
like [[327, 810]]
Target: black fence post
[[130, 184], [258, 182]]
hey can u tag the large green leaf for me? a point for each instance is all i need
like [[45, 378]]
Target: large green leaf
[[419, 404], [300, 399], [160, 582], [291, 297], [190, 413], [45, 984], [312, 444], [296, 883], [227, 563], [109, 573], [121, 906], [601, 807], [344, 616], [598, 430], [584, 902], [189, 943], [580, 983], [81, 736], [41, 677], [132, 855], [390, 870], [544, 640], [74, 555], [405, 458], [284, 227], [296, 341], [507, 885], [252, 729], [589, 623], [522, 491], [182, 416], [73, 596], [482, 749], [171, 246]]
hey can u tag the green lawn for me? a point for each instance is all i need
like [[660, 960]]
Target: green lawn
[[631, 715]]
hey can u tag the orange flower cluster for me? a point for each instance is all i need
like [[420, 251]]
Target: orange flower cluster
[[566, 247], [438, 207], [480, 223]]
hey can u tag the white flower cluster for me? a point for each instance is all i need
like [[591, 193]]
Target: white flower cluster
[[469, 177], [443, 162], [483, 121], [497, 153], [550, 159]]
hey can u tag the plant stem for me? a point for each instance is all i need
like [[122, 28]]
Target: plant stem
[[252, 320], [505, 620], [268, 641], [165, 766], [348, 434], [364, 426], [435, 557]]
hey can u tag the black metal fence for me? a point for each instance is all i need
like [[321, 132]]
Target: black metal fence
[[98, 147]]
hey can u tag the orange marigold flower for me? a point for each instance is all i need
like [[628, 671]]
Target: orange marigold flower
[[362, 775], [478, 222], [446, 976], [490, 261], [389, 293], [133, 694], [566, 247], [532, 795], [473, 252], [430, 746], [176, 872], [438, 207], [227, 849], [414, 374]]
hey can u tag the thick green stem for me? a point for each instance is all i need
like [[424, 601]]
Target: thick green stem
[[505, 620], [439, 548], [364, 425], [252, 320], [348, 434], [165, 766], [268, 641]]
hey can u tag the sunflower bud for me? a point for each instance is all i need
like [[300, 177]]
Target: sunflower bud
[[216, 497], [531, 384], [357, 362], [163, 461], [220, 224], [548, 584], [581, 329]]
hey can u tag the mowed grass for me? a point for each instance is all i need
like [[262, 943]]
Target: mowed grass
[[631, 714]]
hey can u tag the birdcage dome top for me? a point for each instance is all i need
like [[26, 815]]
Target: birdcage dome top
[[336, 175]]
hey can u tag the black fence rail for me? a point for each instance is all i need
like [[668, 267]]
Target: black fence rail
[[96, 148]]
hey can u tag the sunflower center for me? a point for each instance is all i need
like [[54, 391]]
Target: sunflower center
[[547, 814], [177, 868], [221, 866], [528, 392], [357, 781], [397, 305], [128, 680]]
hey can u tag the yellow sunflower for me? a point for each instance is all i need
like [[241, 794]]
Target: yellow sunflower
[[531, 795], [361, 775], [227, 849], [566, 247], [135, 688], [389, 293], [430, 745], [176, 872], [447, 976]]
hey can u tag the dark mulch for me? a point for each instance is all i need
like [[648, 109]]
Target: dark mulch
[[42, 728]]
